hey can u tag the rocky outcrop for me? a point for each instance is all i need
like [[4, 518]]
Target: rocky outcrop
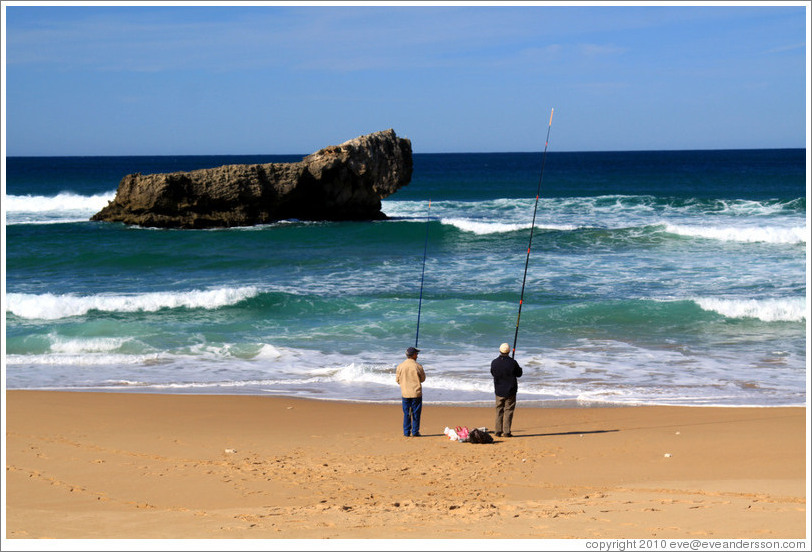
[[344, 182]]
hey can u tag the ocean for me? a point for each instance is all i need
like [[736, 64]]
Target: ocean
[[654, 278]]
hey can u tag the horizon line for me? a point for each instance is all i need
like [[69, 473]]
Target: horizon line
[[414, 152]]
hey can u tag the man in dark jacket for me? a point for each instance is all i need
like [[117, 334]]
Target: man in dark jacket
[[505, 370]]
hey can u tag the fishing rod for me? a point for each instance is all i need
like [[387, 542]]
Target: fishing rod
[[422, 275], [532, 226]]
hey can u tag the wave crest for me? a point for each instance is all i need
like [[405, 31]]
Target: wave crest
[[49, 306], [767, 310], [64, 201], [765, 234], [481, 227]]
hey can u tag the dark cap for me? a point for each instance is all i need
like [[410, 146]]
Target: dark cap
[[411, 350]]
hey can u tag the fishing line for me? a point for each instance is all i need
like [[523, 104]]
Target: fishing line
[[422, 275], [532, 226]]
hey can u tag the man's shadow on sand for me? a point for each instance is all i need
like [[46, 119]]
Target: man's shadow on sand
[[522, 436]]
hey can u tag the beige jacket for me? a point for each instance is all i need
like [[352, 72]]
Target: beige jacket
[[410, 375]]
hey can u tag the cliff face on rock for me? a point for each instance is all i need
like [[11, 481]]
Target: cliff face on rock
[[344, 182]]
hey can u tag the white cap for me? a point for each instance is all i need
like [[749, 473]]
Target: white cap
[[504, 348]]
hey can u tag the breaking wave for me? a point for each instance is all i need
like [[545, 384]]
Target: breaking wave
[[49, 306], [764, 234], [767, 310]]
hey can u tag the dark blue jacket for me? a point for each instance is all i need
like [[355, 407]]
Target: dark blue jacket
[[505, 370]]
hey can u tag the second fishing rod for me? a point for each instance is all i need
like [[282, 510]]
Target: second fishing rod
[[532, 228], [422, 276]]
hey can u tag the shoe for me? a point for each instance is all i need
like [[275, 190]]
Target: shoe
[[416, 434], [508, 435], [406, 435], [498, 433]]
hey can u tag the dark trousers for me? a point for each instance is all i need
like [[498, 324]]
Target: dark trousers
[[411, 415], [504, 413]]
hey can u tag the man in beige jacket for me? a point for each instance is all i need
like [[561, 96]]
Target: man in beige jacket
[[410, 376]]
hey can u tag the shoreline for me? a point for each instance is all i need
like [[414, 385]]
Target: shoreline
[[99, 465], [484, 403]]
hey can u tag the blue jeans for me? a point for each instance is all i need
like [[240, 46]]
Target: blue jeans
[[411, 415]]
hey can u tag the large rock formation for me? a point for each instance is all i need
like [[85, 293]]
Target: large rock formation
[[344, 182]]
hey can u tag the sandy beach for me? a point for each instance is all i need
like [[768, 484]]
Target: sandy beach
[[138, 466]]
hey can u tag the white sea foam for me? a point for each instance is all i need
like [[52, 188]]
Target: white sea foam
[[86, 345], [588, 372], [64, 201], [49, 306], [736, 222], [465, 210], [483, 227], [767, 234], [359, 372], [55, 220], [268, 352], [63, 208], [768, 310], [751, 207], [83, 359]]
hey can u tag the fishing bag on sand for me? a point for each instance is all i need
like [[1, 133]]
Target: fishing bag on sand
[[479, 436]]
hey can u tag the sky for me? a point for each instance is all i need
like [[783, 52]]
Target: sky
[[271, 78]]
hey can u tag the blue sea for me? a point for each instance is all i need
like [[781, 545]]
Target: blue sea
[[654, 278]]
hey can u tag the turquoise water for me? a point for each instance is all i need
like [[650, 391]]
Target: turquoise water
[[654, 278]]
